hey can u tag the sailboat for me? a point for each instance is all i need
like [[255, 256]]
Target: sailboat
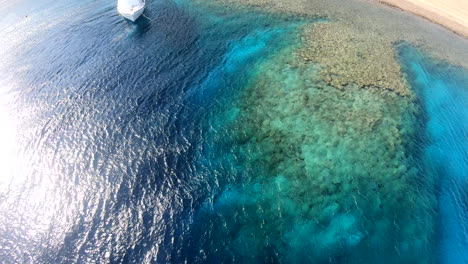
[[131, 9]]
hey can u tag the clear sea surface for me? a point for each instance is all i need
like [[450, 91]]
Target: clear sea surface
[[442, 89], [125, 143]]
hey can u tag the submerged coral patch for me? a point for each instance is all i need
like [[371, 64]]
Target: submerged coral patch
[[321, 154], [332, 176], [349, 55]]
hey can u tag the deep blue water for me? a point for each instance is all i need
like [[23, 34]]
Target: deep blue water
[[113, 117], [118, 128]]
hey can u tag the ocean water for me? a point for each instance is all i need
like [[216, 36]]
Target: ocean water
[[442, 89], [197, 135], [321, 175]]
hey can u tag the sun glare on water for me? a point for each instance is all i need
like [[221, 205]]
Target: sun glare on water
[[9, 148]]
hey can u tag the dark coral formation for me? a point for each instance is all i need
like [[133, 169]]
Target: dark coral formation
[[336, 179]]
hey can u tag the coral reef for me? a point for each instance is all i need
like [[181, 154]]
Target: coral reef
[[334, 178], [349, 56], [356, 44], [325, 145]]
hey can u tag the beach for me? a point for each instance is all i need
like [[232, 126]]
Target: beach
[[452, 14]]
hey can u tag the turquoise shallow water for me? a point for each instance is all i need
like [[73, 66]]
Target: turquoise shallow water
[[197, 137], [307, 183], [442, 89]]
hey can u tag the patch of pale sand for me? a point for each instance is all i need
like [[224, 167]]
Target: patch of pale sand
[[452, 14]]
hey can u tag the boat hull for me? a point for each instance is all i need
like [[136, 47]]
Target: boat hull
[[132, 15]]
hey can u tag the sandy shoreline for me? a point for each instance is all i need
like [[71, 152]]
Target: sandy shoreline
[[452, 14]]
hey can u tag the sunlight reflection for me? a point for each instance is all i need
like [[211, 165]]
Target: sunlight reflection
[[8, 142]]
